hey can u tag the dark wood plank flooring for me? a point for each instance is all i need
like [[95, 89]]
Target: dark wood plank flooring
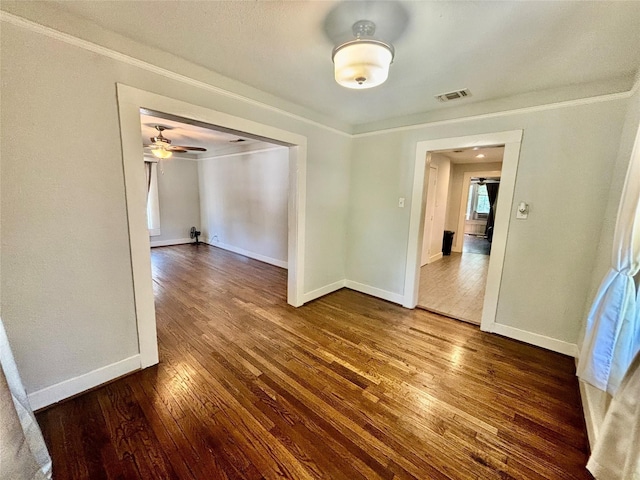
[[346, 387]]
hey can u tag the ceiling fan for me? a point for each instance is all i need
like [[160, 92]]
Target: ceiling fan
[[161, 146]]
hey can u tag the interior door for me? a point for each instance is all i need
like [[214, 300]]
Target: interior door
[[430, 208]]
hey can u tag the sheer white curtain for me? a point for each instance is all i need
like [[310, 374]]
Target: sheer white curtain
[[23, 453], [613, 325], [616, 454]]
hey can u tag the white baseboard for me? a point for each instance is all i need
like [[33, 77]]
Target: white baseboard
[[322, 291], [247, 253], [434, 258], [167, 243], [375, 292], [68, 388], [536, 339]]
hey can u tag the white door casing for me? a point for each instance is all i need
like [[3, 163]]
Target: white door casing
[[511, 140], [130, 100]]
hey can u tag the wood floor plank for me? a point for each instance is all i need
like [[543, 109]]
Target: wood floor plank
[[345, 387]]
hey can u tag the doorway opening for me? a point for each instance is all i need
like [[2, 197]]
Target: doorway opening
[[425, 150], [462, 187], [227, 189], [130, 103]]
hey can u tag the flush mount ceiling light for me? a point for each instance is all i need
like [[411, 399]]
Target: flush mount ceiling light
[[362, 62]]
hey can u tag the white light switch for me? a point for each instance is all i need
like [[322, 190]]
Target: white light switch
[[523, 211], [401, 202]]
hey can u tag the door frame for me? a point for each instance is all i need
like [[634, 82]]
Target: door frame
[[427, 206], [464, 198], [130, 101], [511, 140]]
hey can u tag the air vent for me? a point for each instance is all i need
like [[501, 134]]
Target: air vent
[[445, 97]]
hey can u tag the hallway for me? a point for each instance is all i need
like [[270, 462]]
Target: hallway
[[454, 286]]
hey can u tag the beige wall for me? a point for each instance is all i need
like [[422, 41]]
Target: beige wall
[[597, 400], [567, 158], [179, 198], [66, 286], [67, 293], [244, 203]]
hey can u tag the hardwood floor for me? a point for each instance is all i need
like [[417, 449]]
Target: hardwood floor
[[346, 387], [454, 286]]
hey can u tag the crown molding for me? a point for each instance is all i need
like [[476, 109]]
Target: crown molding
[[118, 56], [504, 113], [121, 57]]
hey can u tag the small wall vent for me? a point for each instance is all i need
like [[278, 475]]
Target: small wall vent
[[445, 97]]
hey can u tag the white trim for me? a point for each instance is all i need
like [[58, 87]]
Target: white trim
[[374, 292], [107, 52], [464, 198], [168, 243], [238, 154], [130, 100], [511, 140], [247, 253], [504, 211], [322, 291], [73, 386], [536, 339], [434, 258], [154, 232], [503, 113], [121, 57]]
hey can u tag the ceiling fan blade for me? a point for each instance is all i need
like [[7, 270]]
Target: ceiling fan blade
[[195, 149], [176, 149]]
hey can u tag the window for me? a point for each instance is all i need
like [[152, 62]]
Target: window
[[478, 203]]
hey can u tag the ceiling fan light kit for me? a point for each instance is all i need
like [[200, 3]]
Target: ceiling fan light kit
[[363, 62], [161, 146], [161, 152]]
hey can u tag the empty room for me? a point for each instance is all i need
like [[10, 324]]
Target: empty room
[[330, 239]]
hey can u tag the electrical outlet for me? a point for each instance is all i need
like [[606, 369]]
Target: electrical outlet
[[401, 202]]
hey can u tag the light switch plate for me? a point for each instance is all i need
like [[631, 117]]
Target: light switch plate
[[522, 211]]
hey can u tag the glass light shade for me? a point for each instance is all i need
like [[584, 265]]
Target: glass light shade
[[161, 152], [362, 63]]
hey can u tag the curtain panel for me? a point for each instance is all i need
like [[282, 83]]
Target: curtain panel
[[23, 453], [616, 454], [613, 325], [492, 193]]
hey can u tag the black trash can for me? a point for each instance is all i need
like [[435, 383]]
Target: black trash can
[[447, 242]]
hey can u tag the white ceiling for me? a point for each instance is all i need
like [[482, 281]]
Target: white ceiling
[[495, 49], [216, 142], [470, 155]]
